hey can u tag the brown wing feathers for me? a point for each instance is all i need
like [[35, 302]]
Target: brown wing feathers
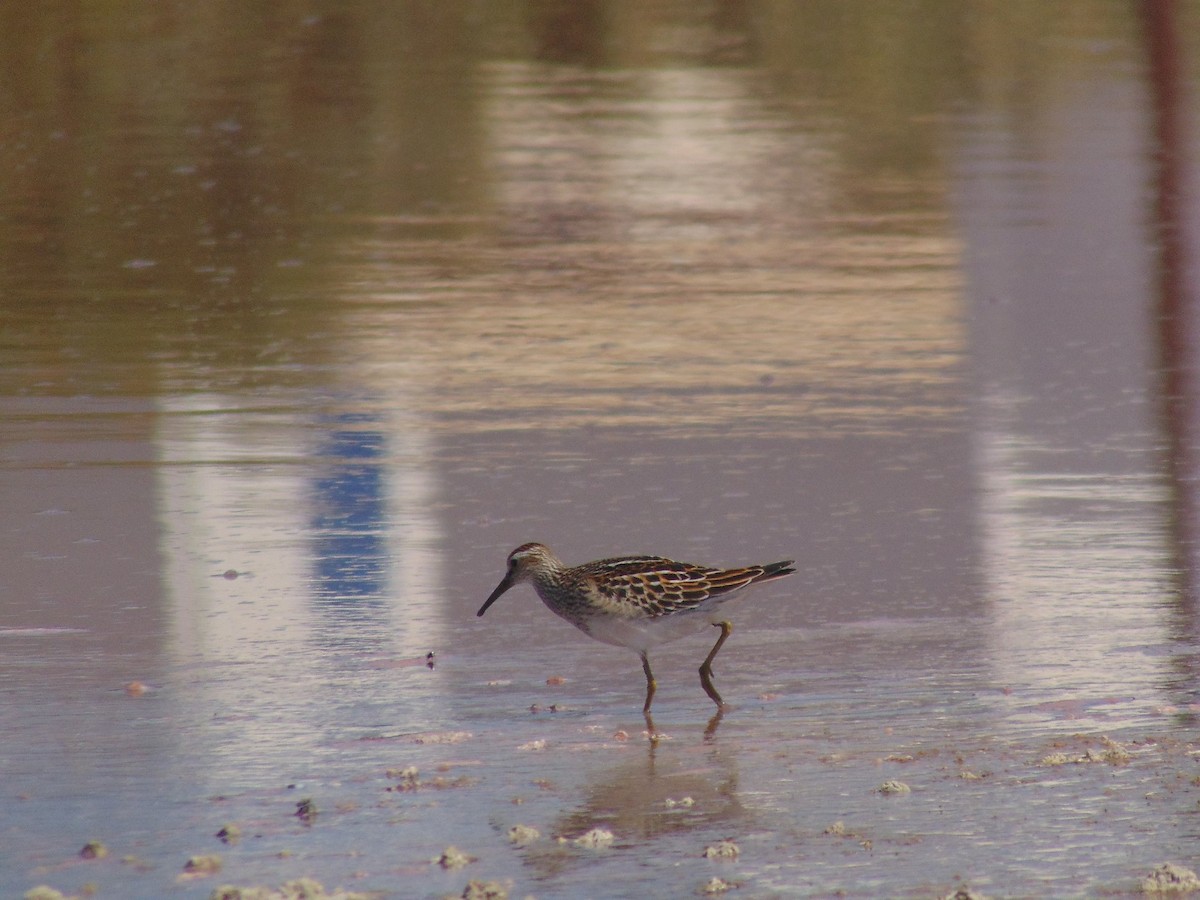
[[663, 586]]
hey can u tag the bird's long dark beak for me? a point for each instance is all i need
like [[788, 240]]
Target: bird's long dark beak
[[503, 586]]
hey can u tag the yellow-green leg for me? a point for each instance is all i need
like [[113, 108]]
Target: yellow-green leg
[[706, 668], [651, 686]]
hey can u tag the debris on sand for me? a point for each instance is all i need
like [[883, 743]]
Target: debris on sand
[[1170, 879], [93, 850], [410, 781], [1113, 753], [442, 737], [839, 830], [717, 885], [485, 890], [724, 850], [685, 802], [453, 858], [964, 894], [229, 834], [523, 834], [892, 787], [201, 866], [1110, 752], [408, 773], [44, 892], [1056, 759], [296, 889], [596, 839], [306, 810]]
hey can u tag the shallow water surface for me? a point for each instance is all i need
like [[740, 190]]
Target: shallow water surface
[[308, 322]]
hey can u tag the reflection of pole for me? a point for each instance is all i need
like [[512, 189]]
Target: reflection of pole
[[1174, 313]]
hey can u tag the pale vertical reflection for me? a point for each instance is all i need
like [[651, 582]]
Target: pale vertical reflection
[[298, 539], [403, 403], [685, 155], [415, 585], [695, 153], [1072, 569], [222, 510], [1073, 533]]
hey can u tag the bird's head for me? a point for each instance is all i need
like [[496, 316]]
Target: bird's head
[[523, 563]]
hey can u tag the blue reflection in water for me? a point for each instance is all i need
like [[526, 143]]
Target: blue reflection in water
[[348, 523]]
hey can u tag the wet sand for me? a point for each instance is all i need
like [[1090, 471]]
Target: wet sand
[[309, 320]]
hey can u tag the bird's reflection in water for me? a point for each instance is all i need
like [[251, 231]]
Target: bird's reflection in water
[[675, 785], [710, 730]]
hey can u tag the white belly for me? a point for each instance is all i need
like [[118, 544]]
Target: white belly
[[640, 633]]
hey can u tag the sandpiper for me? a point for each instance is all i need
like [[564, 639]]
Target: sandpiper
[[636, 601]]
